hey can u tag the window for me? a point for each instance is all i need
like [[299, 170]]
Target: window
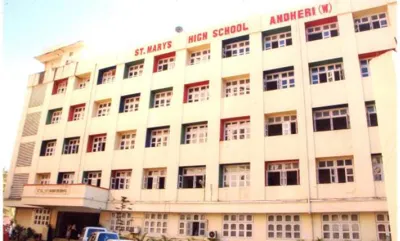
[[280, 125], [326, 73], [154, 178], [236, 48], [135, 70], [237, 225], [199, 57], [159, 137], [283, 174], [98, 143], [192, 224], [66, 178], [331, 119], [335, 171], [237, 87], [236, 175], [377, 167], [60, 86], [322, 31], [283, 226], [78, 112], [71, 146], [340, 227], [155, 223], [276, 79], [127, 140], [196, 133], [192, 177], [103, 108], [41, 216], [370, 22], [92, 178], [364, 66], [43, 179], [120, 180], [121, 222], [197, 93], [166, 64], [162, 98], [56, 117], [383, 226], [372, 117], [237, 130], [277, 40], [50, 148], [131, 104], [108, 76], [81, 83]]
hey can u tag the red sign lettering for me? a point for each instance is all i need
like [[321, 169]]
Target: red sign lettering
[[299, 14], [154, 48]]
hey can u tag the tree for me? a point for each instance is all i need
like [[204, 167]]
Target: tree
[[7, 211]]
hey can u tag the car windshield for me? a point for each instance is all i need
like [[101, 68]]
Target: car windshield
[[92, 230], [107, 236]]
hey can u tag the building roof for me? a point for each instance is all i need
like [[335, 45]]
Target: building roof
[[56, 51]]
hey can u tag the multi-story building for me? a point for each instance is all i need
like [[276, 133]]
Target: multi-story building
[[260, 130]]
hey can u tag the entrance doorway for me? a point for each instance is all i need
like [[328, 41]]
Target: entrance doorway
[[80, 220]]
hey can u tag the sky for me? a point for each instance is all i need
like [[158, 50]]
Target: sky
[[31, 26]]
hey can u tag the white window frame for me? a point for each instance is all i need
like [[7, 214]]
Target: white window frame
[[120, 180], [162, 99], [382, 221], [155, 174], [329, 70], [236, 48], [79, 113], [194, 172], [196, 134], [370, 19], [108, 76], [159, 137], [333, 165], [283, 226], [131, 104], [103, 108], [237, 225], [72, 146], [197, 93], [377, 167], [284, 79], [62, 87], [201, 56], [93, 177], [364, 65], [324, 29], [98, 142], [135, 70], [56, 117], [41, 216], [155, 223], [67, 178], [281, 38], [50, 148], [81, 83], [237, 87], [186, 224], [43, 178], [331, 114], [237, 130], [124, 223], [285, 120], [283, 168], [168, 63], [371, 110], [236, 175], [127, 140], [341, 224]]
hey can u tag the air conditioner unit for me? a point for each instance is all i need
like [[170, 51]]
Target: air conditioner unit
[[212, 234], [136, 230]]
